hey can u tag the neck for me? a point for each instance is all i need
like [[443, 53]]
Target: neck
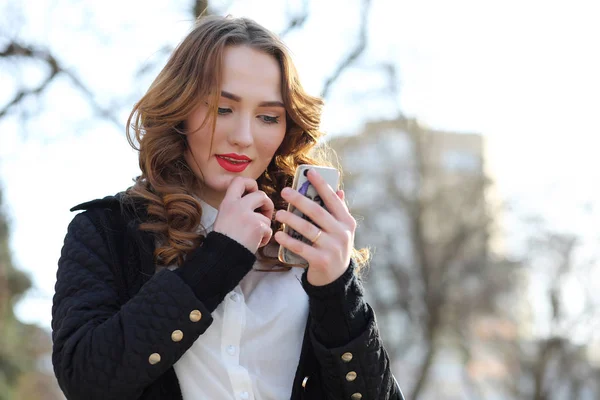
[[212, 199]]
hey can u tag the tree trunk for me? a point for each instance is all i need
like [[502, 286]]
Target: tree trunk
[[424, 372], [540, 372], [201, 7]]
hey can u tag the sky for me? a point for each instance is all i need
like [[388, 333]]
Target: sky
[[522, 73]]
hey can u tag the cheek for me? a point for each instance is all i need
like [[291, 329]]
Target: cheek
[[268, 149], [199, 143], [196, 118], [275, 140], [196, 153], [192, 161]]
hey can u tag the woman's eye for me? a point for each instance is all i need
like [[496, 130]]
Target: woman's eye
[[269, 120], [223, 111]]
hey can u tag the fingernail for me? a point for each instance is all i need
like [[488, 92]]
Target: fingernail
[[286, 190]]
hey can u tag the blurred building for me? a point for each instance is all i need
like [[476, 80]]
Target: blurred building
[[399, 160], [395, 166], [422, 201]]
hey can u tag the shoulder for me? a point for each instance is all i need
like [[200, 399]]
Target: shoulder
[[107, 218], [122, 203], [119, 208], [88, 227], [106, 228]]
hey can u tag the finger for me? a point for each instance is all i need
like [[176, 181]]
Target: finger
[[300, 225], [342, 195], [260, 202], [311, 209], [333, 203], [298, 247], [239, 186], [266, 234], [264, 227], [264, 220]]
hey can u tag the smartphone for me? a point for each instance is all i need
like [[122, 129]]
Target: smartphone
[[302, 185]]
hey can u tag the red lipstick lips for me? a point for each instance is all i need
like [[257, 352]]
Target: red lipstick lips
[[233, 162]]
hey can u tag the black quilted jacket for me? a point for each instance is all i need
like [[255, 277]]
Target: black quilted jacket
[[118, 327]]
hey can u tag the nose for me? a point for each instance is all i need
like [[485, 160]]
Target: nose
[[241, 134]]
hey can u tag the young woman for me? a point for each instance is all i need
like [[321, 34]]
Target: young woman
[[171, 290]]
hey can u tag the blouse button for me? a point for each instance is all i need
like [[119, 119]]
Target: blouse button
[[231, 350], [356, 396], [154, 358], [235, 297], [195, 316], [176, 336], [351, 376], [347, 357], [244, 395]]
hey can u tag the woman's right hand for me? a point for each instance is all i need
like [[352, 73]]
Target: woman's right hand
[[245, 218]]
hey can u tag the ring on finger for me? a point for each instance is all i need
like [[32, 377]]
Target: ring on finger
[[317, 236]]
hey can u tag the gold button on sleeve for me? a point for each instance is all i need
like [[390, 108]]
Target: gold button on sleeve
[[154, 358], [176, 336], [350, 376], [195, 316], [347, 357], [356, 396], [304, 382]]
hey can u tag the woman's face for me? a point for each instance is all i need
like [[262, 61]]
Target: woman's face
[[250, 124]]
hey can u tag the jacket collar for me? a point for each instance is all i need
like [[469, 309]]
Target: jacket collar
[[132, 210], [106, 202]]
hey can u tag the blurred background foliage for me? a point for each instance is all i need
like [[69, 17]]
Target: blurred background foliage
[[23, 347], [452, 301]]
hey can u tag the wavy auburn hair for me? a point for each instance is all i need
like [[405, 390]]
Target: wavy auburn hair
[[193, 72]]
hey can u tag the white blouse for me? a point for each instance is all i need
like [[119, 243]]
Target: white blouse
[[253, 346]]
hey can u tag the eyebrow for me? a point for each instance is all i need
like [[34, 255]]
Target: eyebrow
[[237, 98]]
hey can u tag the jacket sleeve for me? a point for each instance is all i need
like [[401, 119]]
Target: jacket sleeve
[[102, 349], [345, 337]]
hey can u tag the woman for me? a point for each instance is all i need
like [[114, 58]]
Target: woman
[[170, 290]]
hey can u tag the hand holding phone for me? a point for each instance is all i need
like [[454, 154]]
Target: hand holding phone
[[304, 187]]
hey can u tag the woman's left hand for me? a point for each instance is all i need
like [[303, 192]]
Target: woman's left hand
[[329, 256]]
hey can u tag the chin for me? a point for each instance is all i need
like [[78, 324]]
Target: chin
[[222, 184], [224, 180]]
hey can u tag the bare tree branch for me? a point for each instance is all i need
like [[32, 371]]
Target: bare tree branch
[[17, 50], [358, 49], [296, 21]]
